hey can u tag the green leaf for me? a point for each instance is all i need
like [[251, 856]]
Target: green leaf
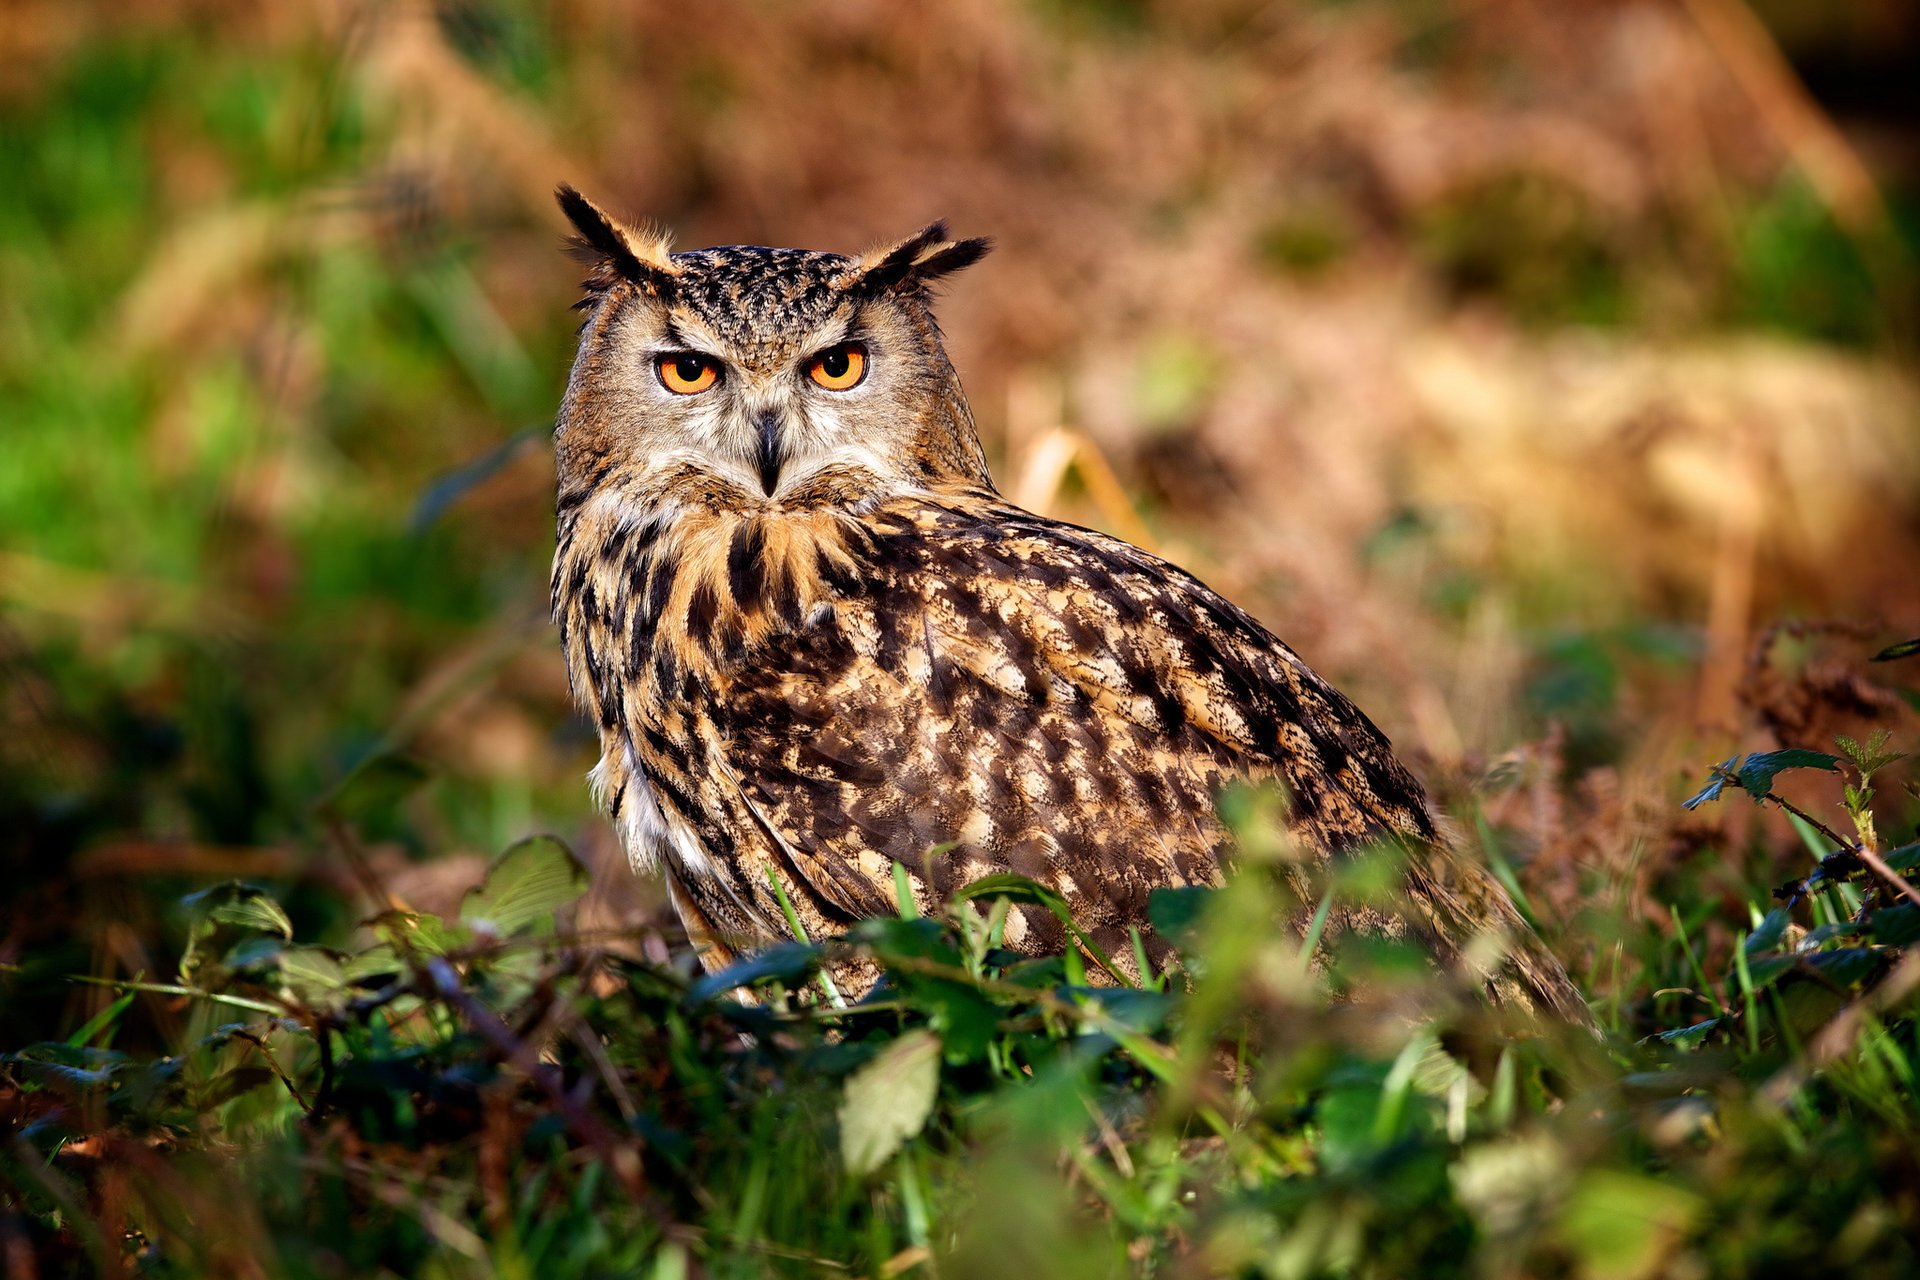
[[1176, 913], [524, 887], [1766, 970], [1896, 926], [1015, 888], [245, 905], [1847, 967], [888, 1101], [313, 976], [1689, 1037], [1758, 771], [1767, 934], [1872, 757], [1135, 1008], [788, 962], [1894, 652], [1717, 779], [1624, 1224], [1018, 888], [67, 1067], [1905, 858]]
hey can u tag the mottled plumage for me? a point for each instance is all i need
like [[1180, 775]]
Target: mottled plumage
[[816, 641]]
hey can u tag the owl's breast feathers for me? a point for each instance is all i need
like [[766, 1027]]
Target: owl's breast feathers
[[962, 687]]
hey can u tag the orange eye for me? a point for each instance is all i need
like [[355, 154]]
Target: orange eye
[[839, 368], [686, 374]]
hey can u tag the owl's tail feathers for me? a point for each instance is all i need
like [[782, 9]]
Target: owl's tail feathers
[[1470, 922]]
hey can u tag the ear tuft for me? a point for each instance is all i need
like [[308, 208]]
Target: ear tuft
[[919, 260], [615, 250]]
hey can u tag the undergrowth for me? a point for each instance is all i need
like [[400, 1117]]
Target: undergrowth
[[498, 1094]]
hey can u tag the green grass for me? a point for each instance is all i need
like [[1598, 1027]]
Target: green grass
[[488, 1095]]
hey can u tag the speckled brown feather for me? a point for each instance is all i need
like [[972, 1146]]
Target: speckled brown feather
[[883, 661]]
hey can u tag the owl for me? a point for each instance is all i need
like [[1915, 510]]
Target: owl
[[817, 643]]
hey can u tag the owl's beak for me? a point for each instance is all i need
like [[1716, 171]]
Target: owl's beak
[[772, 456]]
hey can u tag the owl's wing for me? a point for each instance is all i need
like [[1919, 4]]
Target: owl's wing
[[1002, 692]]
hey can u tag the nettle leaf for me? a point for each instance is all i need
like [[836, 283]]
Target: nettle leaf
[[1689, 1037], [1134, 1008], [1905, 858], [1176, 913], [1767, 934], [1872, 757], [1848, 966], [1897, 926], [525, 887], [1717, 779], [67, 1067], [409, 932], [888, 1101], [1894, 652], [789, 962], [237, 903], [1766, 970], [313, 976], [1754, 774], [1758, 771]]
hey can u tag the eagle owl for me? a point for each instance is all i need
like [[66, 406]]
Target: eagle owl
[[817, 642]]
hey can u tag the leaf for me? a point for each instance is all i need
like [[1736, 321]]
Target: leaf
[[1759, 769], [246, 905], [888, 1101], [1689, 1037], [1767, 934], [64, 1066], [1624, 1224], [1764, 971], [1872, 757], [1134, 1008], [1176, 913], [788, 962], [1897, 926], [313, 976], [966, 1021], [1717, 779], [1016, 888], [524, 887], [1894, 652], [1905, 858], [1848, 966], [414, 931]]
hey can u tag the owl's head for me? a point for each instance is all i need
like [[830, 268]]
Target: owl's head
[[781, 374]]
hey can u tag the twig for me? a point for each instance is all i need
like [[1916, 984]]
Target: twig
[[1900, 883], [260, 1043], [1839, 841]]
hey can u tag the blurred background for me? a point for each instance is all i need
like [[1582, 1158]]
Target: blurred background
[[1526, 366]]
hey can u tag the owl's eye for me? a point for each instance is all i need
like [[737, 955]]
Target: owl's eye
[[839, 368], [685, 374]]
